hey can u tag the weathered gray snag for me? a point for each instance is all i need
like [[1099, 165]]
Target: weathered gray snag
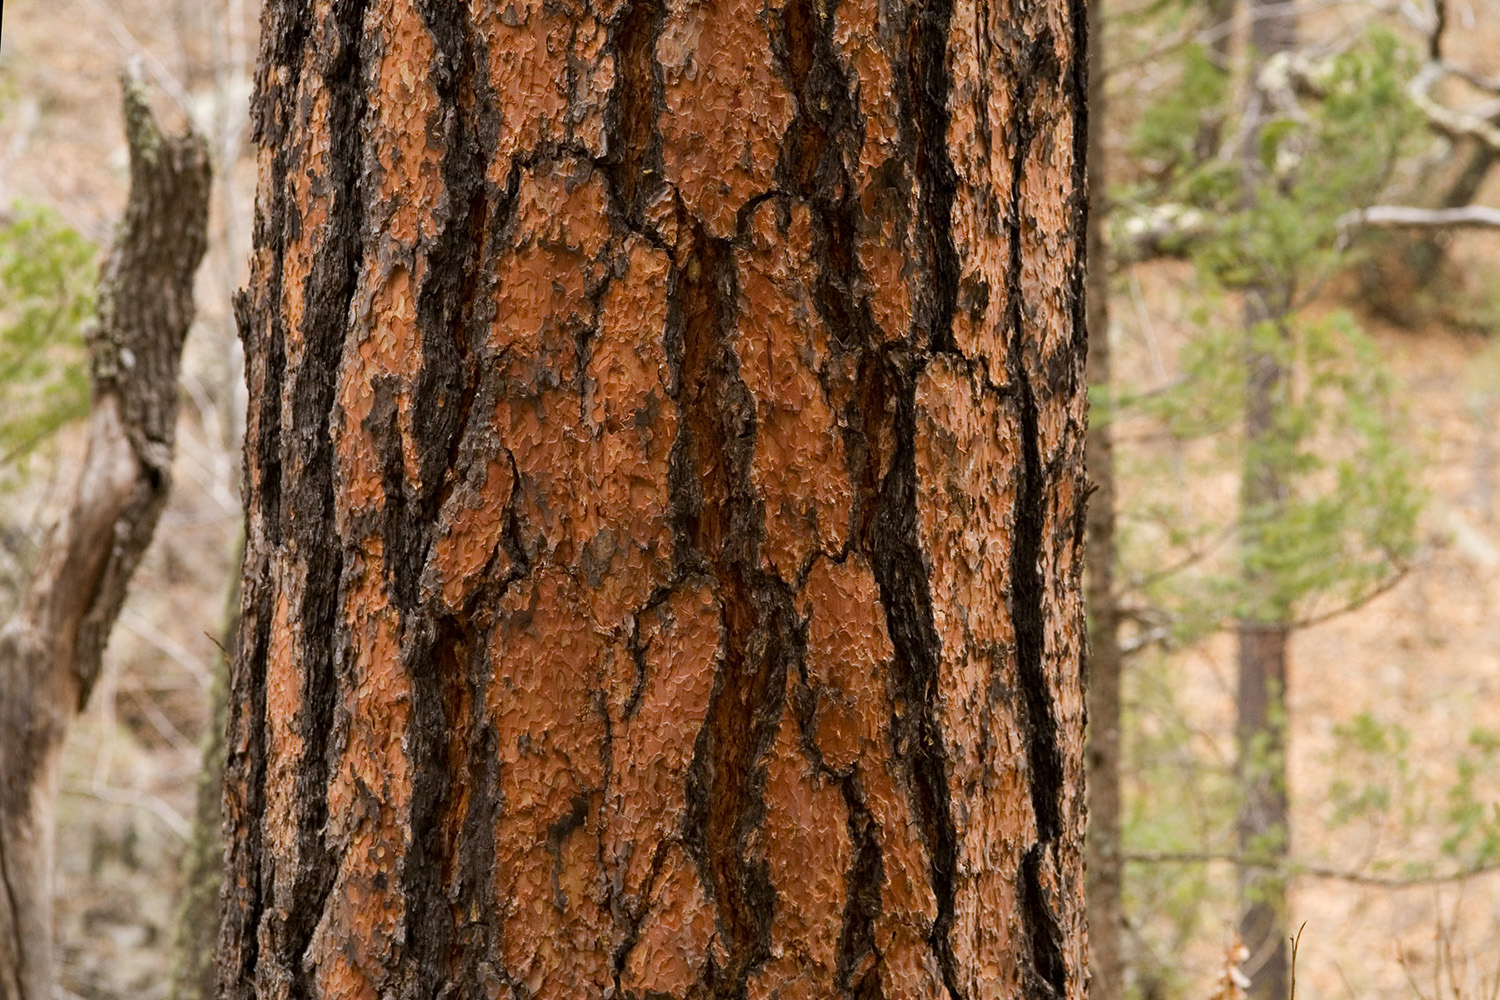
[[50, 650], [664, 483]]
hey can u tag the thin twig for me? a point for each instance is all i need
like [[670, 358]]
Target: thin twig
[[1296, 943], [1384, 587], [144, 801], [1312, 871]]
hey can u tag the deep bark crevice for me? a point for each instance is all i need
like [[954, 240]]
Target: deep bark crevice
[[1027, 598], [858, 971], [634, 161], [1047, 978], [1043, 753], [272, 115], [444, 654], [827, 130], [723, 526], [1047, 972], [928, 88], [468, 871], [894, 547], [328, 291]]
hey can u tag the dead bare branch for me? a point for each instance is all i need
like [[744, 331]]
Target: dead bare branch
[[1295, 868], [1447, 120], [1407, 216]]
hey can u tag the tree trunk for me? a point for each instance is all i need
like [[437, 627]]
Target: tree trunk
[[194, 974], [665, 504], [50, 650], [1262, 828], [1105, 662], [1218, 23]]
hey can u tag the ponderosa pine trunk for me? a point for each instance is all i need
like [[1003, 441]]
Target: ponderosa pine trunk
[[664, 482], [1106, 875], [52, 648], [1261, 726]]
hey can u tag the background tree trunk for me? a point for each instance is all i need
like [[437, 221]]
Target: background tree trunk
[[1105, 661], [1262, 828], [196, 937], [51, 649], [665, 504]]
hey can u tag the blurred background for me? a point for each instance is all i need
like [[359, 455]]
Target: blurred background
[[1231, 172], [127, 806]]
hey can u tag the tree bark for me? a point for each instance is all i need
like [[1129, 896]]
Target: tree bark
[[51, 649], [1262, 828], [665, 503], [1105, 660]]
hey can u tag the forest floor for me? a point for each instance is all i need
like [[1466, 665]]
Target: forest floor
[[1424, 657]]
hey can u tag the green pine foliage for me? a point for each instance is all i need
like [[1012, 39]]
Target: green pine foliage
[[1349, 521], [47, 275], [1341, 129], [1381, 788]]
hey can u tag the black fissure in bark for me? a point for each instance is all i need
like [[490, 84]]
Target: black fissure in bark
[[263, 333], [1044, 750], [268, 437], [1027, 598], [443, 654], [273, 112], [906, 595], [857, 970], [822, 141], [925, 106], [1047, 978], [307, 508], [720, 529], [826, 133], [633, 163]]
